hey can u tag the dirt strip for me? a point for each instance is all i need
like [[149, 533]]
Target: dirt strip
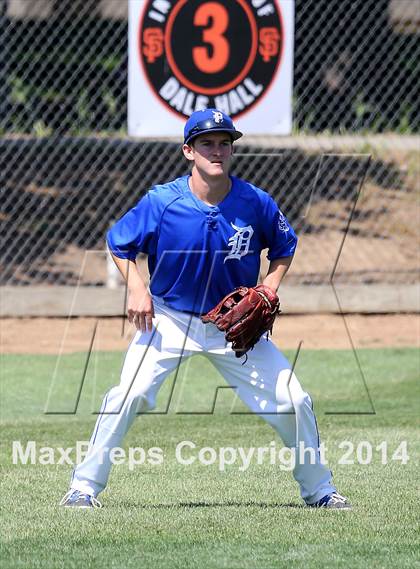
[[48, 335]]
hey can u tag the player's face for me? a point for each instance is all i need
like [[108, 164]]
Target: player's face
[[211, 153]]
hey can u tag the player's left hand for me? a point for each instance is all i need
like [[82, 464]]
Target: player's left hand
[[245, 315]]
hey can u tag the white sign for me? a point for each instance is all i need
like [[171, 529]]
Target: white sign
[[185, 55]]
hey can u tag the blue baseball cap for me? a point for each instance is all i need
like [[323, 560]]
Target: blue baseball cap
[[209, 120]]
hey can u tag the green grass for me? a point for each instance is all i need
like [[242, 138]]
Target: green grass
[[187, 517]]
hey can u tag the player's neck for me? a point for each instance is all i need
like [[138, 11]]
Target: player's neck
[[209, 190]]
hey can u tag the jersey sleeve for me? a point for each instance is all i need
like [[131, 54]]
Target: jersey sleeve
[[136, 232], [280, 237]]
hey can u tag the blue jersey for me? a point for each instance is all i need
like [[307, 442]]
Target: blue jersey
[[198, 253]]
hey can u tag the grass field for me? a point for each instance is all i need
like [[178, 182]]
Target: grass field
[[196, 516]]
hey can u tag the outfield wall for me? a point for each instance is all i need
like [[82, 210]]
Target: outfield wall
[[299, 299]]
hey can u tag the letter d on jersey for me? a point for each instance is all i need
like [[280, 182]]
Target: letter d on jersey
[[239, 242]]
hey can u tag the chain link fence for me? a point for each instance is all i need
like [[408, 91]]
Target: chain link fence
[[68, 169]]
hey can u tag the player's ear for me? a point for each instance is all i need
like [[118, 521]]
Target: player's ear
[[188, 151]]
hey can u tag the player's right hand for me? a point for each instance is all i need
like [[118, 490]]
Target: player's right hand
[[140, 310]]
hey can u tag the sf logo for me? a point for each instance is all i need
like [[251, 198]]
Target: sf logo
[[153, 44], [269, 43]]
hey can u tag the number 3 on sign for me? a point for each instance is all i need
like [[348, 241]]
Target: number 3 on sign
[[215, 58]]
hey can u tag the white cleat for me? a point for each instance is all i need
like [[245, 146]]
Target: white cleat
[[334, 501], [77, 499]]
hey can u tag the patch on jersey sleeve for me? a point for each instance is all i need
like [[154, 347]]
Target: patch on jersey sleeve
[[282, 223]]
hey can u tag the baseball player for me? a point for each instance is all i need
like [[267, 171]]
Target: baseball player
[[203, 234]]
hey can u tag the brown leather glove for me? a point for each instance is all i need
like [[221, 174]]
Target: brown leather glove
[[245, 315]]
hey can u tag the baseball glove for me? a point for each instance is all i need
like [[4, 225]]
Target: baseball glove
[[245, 315]]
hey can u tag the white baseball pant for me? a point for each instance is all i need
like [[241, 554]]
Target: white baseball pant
[[265, 383]]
